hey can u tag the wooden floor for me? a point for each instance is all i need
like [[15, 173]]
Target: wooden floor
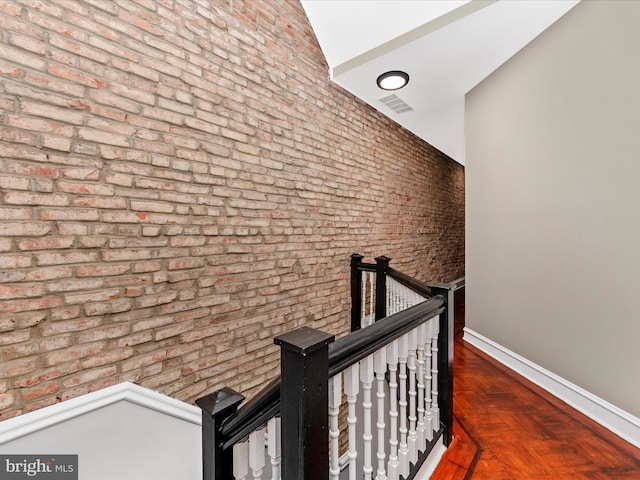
[[506, 428]]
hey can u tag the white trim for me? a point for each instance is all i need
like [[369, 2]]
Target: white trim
[[609, 416], [426, 469], [431, 463], [45, 417], [343, 461]]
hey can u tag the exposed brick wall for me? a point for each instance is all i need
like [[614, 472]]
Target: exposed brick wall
[[179, 183]]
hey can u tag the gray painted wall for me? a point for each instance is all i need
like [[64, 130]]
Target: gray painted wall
[[123, 432], [553, 202]]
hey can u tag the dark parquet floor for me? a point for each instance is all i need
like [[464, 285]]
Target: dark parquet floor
[[507, 428]]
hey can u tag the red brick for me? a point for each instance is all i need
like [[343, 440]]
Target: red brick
[[71, 284], [21, 57], [30, 305], [98, 295], [78, 48], [28, 198], [73, 353], [56, 258], [110, 357], [46, 243], [100, 202], [45, 375], [6, 401], [89, 376], [15, 337], [32, 169], [144, 360], [56, 143], [16, 183], [20, 136], [50, 111], [88, 387], [101, 270], [152, 206], [20, 291], [68, 326], [80, 173], [110, 307], [65, 313], [14, 368], [15, 214], [48, 273], [41, 390]]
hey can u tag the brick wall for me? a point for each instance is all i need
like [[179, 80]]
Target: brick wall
[[179, 183]]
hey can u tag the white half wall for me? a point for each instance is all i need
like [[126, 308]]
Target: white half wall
[[553, 202], [124, 432]]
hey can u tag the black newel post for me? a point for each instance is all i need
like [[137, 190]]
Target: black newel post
[[304, 403], [216, 462], [445, 358], [382, 263], [356, 291]]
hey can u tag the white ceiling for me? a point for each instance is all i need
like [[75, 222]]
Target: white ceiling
[[446, 46]]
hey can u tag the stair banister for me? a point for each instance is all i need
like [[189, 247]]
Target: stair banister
[[310, 358]]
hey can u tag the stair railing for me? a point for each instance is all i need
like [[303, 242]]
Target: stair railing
[[378, 290], [402, 361]]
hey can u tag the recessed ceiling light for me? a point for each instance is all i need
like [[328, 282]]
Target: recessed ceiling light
[[392, 80]]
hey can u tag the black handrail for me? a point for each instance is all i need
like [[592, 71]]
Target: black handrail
[[352, 348], [253, 415], [343, 353]]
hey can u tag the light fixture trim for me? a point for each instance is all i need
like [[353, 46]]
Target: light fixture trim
[[393, 80]]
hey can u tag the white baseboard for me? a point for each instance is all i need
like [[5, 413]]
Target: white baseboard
[[609, 416], [432, 461]]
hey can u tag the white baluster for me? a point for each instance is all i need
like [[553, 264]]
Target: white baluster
[[351, 389], [411, 365], [420, 428], [275, 447], [403, 452], [380, 368], [241, 460], [363, 309], [256, 453], [366, 377], [393, 290], [392, 362], [401, 297], [372, 299], [389, 294], [434, 373], [335, 397], [416, 298], [429, 425]]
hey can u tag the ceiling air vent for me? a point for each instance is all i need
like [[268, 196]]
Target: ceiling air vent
[[395, 103]]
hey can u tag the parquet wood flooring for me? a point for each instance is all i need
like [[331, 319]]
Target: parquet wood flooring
[[507, 428]]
